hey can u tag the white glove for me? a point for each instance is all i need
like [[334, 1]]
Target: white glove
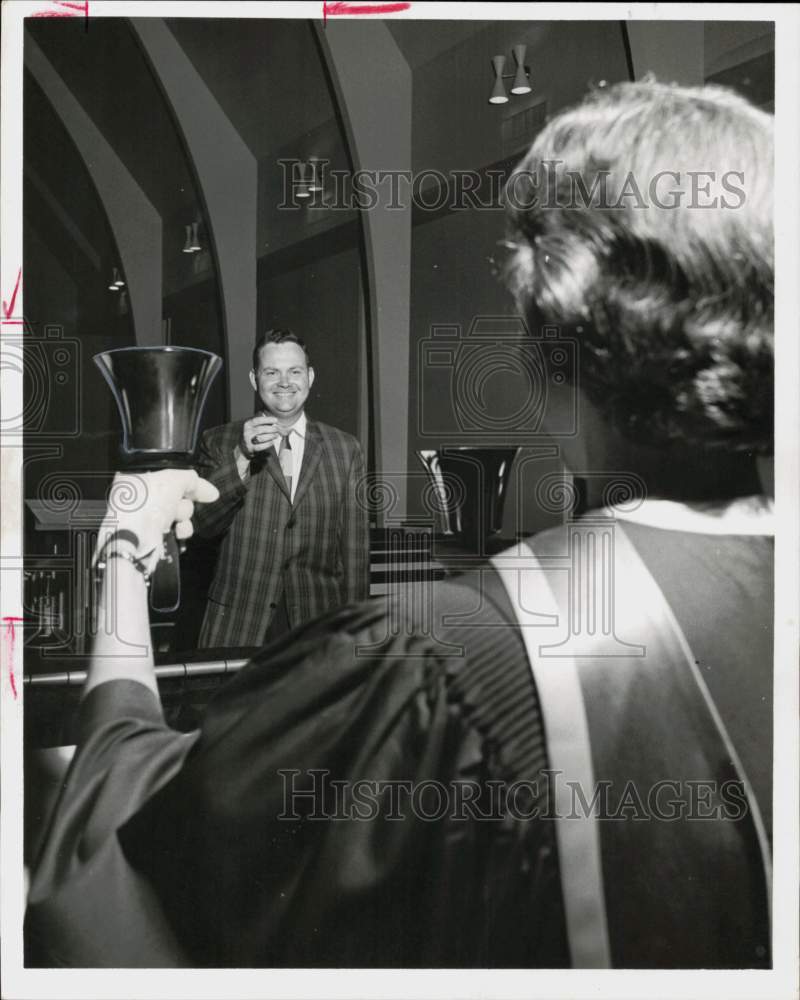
[[142, 507]]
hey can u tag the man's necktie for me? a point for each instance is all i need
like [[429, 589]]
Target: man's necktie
[[285, 458]]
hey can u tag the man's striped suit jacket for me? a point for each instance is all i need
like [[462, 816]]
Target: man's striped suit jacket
[[314, 551]]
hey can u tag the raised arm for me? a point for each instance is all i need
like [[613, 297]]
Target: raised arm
[[142, 508]]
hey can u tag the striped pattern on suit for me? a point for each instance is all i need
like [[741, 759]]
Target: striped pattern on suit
[[315, 552]]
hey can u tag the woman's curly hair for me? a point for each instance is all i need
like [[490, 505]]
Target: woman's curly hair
[[641, 221]]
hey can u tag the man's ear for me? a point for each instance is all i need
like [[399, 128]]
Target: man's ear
[[253, 381], [310, 377]]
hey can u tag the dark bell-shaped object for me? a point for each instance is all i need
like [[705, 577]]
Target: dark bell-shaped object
[[468, 487], [160, 393]]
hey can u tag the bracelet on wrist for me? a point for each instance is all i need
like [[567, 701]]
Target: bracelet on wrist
[[119, 535], [138, 563]]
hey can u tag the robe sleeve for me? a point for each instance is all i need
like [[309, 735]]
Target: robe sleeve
[[336, 810], [86, 906]]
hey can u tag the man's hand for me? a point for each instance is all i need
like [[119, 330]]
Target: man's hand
[[142, 507], [258, 434]]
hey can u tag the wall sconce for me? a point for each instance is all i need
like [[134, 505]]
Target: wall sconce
[[192, 243], [307, 179], [301, 171], [116, 281], [315, 183], [521, 84]]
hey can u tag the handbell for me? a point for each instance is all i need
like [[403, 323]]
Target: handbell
[[160, 394], [469, 491]]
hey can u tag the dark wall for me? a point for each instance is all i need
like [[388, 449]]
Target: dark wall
[[455, 126], [455, 260], [455, 283], [321, 301], [194, 321], [72, 427], [457, 254]]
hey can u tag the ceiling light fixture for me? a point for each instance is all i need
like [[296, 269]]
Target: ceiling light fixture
[[316, 174], [303, 189], [191, 243], [521, 76]]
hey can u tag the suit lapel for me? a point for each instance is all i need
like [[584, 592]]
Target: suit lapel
[[271, 464], [311, 458]]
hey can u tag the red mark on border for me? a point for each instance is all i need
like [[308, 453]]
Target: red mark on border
[[70, 9], [10, 637], [338, 9], [8, 310]]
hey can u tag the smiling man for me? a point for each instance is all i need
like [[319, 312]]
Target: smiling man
[[295, 541]]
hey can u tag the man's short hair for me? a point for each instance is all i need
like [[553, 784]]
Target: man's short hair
[[277, 335], [671, 304]]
